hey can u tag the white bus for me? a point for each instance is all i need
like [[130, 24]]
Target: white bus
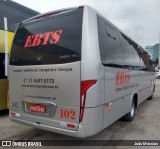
[[73, 72]]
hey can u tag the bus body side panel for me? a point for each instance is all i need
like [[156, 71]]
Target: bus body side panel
[[92, 120], [122, 80], [120, 103], [117, 97], [117, 102], [145, 90], [92, 69]]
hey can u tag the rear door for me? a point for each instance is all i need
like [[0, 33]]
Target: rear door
[[44, 70]]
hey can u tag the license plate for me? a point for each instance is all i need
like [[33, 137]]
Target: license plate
[[37, 108]]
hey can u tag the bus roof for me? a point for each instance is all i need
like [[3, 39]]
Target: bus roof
[[50, 13]]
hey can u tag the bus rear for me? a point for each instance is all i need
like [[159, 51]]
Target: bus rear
[[44, 72]]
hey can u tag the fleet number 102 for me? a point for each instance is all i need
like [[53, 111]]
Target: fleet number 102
[[68, 114]]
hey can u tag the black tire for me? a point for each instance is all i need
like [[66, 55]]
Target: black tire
[[130, 116], [150, 98]]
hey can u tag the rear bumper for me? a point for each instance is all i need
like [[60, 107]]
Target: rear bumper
[[79, 133]]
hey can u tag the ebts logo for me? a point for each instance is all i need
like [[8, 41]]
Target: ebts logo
[[122, 78], [43, 39]]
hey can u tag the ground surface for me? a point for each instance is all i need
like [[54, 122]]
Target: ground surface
[[146, 126]]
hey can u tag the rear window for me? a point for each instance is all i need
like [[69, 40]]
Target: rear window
[[52, 40]]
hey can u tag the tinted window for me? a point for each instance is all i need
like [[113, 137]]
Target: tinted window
[[134, 53], [110, 48], [146, 58], [137, 57], [101, 38], [127, 51], [126, 54], [53, 40], [137, 60]]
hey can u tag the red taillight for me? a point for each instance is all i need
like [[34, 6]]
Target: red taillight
[[13, 114], [71, 125], [85, 85]]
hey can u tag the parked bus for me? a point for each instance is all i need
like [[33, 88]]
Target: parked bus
[[10, 14], [73, 72]]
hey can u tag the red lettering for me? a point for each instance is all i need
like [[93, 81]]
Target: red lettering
[[67, 114], [56, 36], [46, 38], [73, 114], [29, 41], [122, 78], [37, 108], [117, 78], [128, 78], [37, 40]]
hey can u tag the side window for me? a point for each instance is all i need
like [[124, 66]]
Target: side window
[[110, 49], [100, 37], [127, 51], [137, 61], [110, 32], [137, 58], [147, 59]]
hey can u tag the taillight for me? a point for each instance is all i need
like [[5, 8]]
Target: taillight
[[13, 114], [71, 125], [85, 85]]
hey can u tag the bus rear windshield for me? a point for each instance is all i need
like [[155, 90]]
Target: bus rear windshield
[[52, 40]]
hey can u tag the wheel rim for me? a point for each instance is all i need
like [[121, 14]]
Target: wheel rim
[[132, 110]]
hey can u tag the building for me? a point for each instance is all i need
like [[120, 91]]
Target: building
[[154, 51]]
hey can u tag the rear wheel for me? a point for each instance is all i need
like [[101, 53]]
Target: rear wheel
[[130, 116]]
